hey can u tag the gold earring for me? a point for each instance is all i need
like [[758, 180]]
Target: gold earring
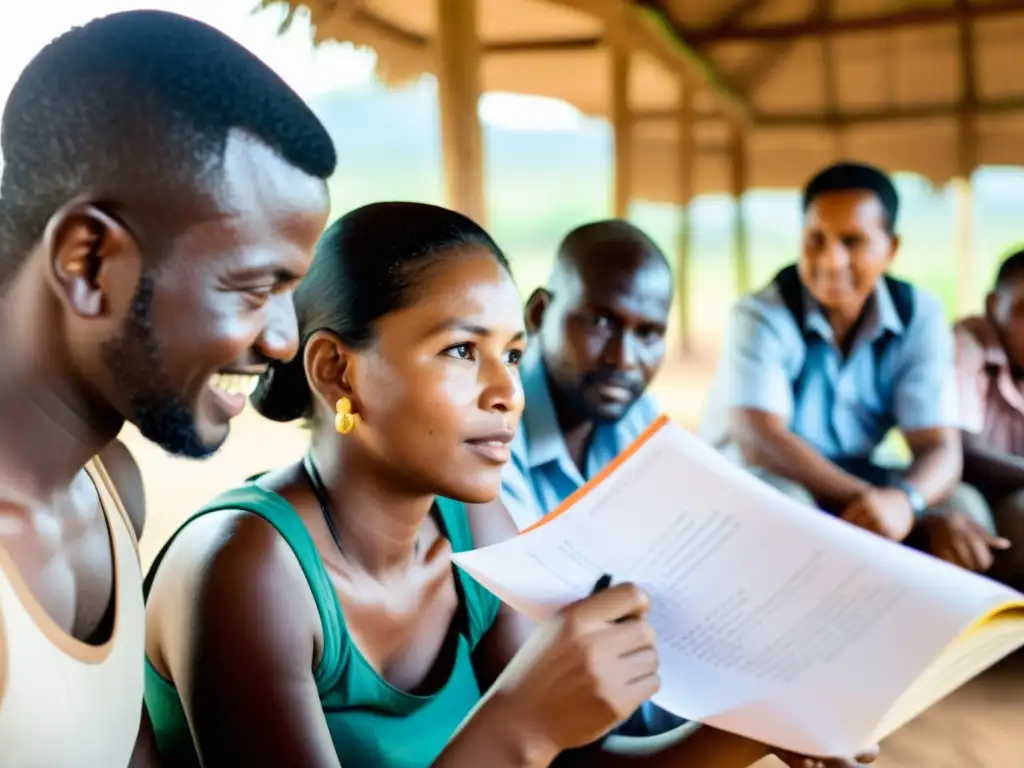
[[344, 419]]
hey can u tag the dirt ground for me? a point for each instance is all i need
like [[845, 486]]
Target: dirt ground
[[980, 726]]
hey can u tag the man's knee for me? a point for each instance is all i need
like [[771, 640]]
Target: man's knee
[[790, 488], [1009, 513], [1009, 516], [969, 501]]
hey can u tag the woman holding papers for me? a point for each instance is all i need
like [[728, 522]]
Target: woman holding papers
[[313, 617]]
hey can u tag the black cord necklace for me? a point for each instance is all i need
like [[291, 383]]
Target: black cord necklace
[[317, 485], [323, 499]]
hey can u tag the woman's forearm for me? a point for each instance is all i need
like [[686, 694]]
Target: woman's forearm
[[497, 735]]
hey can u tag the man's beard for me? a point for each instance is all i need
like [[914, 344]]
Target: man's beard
[[161, 416], [608, 413], [573, 404]]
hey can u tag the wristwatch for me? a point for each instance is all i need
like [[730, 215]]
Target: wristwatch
[[917, 501]]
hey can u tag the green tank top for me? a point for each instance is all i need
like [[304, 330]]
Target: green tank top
[[371, 722]]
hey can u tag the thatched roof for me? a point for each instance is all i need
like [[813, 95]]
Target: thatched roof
[[928, 86]]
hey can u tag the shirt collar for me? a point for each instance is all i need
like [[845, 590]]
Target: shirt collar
[[544, 441], [882, 315]]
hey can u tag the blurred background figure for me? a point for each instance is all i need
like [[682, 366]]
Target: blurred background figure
[[822, 363], [990, 368]]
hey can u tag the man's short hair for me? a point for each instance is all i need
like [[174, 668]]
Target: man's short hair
[[849, 177], [576, 245], [142, 97], [1011, 270]]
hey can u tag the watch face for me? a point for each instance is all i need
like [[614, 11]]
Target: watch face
[[917, 502]]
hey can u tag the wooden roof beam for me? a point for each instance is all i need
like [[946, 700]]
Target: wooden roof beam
[[650, 30], [967, 138], [733, 15], [912, 17], [762, 65], [778, 120], [869, 117], [549, 45], [830, 78], [671, 113]]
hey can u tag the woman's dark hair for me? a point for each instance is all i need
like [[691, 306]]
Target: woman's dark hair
[[367, 265]]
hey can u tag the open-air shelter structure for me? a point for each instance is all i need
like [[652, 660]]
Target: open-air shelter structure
[[719, 95]]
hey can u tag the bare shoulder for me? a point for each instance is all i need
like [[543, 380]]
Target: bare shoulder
[[124, 473], [230, 580], [232, 623]]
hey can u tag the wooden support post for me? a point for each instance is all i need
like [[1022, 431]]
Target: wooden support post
[[458, 52], [738, 151], [965, 299], [686, 163], [967, 160], [830, 83], [622, 129]]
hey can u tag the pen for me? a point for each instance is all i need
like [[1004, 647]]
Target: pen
[[602, 584]]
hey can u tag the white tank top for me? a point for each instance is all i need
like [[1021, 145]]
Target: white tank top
[[65, 703]]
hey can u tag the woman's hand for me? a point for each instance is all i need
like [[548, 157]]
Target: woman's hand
[[585, 670]]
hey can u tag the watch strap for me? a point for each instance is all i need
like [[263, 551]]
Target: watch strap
[[917, 502]]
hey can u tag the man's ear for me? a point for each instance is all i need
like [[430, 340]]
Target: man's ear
[[894, 249], [536, 306], [991, 302], [85, 245]]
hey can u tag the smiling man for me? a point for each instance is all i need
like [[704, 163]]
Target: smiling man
[[161, 196], [819, 366]]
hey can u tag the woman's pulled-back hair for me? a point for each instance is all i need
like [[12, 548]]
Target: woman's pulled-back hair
[[367, 265]]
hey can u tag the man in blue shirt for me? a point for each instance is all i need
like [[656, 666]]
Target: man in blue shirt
[[824, 361], [597, 338]]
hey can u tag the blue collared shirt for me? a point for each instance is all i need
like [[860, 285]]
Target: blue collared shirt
[[542, 474], [843, 408]]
